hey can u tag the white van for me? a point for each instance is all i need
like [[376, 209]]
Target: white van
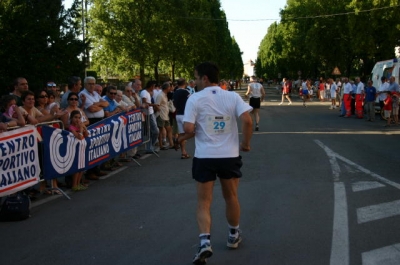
[[386, 68]]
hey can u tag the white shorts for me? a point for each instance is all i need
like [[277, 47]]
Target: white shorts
[[179, 123], [387, 113]]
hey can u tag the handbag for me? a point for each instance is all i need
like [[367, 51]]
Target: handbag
[[171, 106]]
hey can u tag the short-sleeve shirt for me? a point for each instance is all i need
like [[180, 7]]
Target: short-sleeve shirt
[[146, 95], [214, 112], [370, 94], [112, 104], [394, 87], [181, 95], [162, 100], [34, 112], [360, 88], [384, 87], [92, 98]]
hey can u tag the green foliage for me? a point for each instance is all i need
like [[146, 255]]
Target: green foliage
[[142, 37], [38, 40], [313, 41]]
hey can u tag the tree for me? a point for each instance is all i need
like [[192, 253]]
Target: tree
[[38, 40]]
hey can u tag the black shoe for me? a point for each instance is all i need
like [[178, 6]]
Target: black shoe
[[256, 128]]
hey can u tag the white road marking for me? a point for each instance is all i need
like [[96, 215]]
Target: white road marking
[[389, 255], [366, 185], [378, 211], [340, 236], [340, 255]]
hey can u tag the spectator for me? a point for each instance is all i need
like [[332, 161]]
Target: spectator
[[333, 89], [74, 85], [382, 92], [93, 106], [33, 115], [145, 95], [12, 115], [395, 107], [359, 98], [123, 105], [78, 129], [73, 99], [393, 86], [190, 87], [163, 118], [370, 96], [181, 95], [347, 97], [113, 107], [321, 87], [20, 86], [387, 108]]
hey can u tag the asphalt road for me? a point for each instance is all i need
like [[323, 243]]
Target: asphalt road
[[316, 189]]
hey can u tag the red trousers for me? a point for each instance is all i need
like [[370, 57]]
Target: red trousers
[[347, 104], [359, 106]]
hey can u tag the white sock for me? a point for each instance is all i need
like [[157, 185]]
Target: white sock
[[233, 231], [204, 238]]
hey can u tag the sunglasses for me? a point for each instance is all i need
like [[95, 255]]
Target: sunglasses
[[43, 96], [112, 93], [51, 85], [76, 99]]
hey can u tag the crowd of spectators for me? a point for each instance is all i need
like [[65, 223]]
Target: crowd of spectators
[[81, 103]]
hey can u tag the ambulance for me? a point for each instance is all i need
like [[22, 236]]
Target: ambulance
[[387, 69]]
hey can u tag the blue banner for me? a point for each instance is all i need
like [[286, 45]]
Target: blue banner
[[63, 154]]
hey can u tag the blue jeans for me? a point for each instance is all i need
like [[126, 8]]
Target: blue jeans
[[154, 131]]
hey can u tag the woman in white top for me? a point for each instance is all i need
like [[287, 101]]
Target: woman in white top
[[256, 92]]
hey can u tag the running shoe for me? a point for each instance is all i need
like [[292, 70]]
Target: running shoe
[[233, 242], [202, 254], [256, 128]]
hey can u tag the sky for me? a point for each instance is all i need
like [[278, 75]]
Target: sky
[[248, 34]]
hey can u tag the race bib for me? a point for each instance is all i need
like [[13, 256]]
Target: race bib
[[218, 124]]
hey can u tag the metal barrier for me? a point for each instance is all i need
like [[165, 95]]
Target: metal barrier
[[146, 142], [41, 153]]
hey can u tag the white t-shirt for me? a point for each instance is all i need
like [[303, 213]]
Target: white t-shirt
[[333, 90], [92, 98], [360, 88], [347, 88], [146, 95], [214, 112], [384, 87], [255, 90]]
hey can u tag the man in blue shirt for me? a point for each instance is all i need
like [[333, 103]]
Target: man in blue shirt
[[113, 107], [370, 96]]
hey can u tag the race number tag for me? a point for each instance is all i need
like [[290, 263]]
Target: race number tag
[[218, 124]]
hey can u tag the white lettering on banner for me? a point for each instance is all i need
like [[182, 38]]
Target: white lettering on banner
[[135, 127], [99, 140], [98, 152], [99, 130], [60, 163], [135, 136]]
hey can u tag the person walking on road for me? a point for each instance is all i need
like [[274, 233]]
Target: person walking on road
[[210, 117], [285, 91], [257, 94]]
